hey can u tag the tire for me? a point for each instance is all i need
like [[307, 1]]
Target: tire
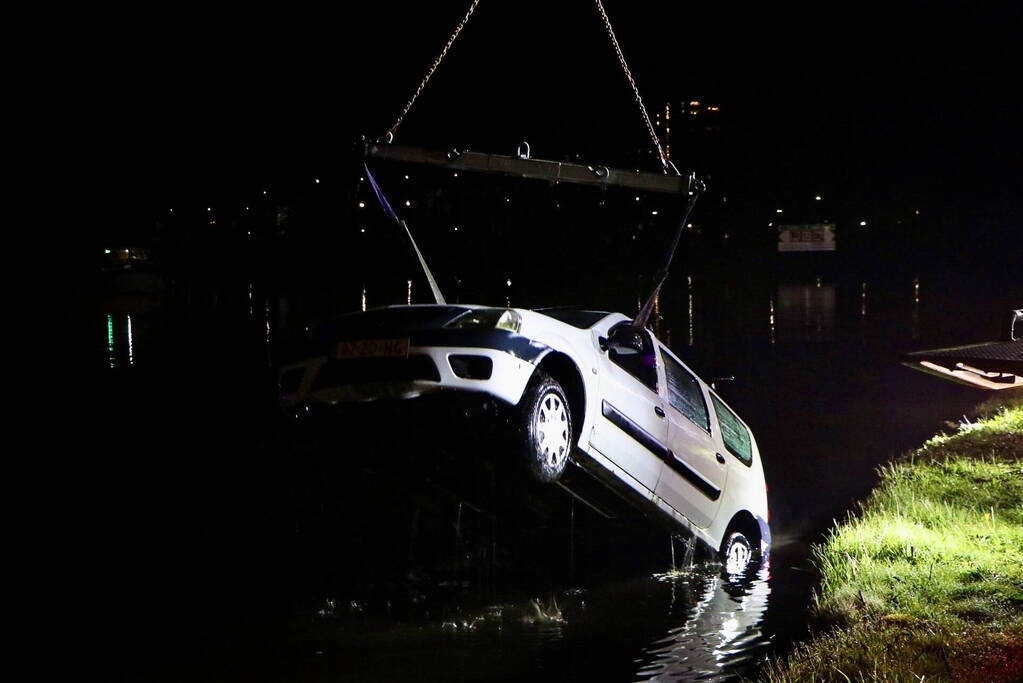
[[737, 553], [546, 429]]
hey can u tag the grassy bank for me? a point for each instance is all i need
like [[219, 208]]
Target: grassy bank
[[926, 581]]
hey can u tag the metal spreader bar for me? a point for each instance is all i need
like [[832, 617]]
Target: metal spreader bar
[[522, 166]]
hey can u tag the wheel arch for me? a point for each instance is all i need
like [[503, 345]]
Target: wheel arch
[[561, 368], [745, 523]]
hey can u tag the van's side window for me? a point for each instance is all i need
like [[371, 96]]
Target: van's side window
[[733, 432], [684, 393]]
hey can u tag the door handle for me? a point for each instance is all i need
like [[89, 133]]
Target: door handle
[[720, 458], [659, 410]]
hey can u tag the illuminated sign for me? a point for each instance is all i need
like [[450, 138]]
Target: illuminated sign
[[810, 237]]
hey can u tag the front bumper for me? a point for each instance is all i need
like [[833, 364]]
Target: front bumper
[[329, 381]]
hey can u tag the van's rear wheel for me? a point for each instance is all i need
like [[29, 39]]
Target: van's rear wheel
[[736, 553], [547, 422]]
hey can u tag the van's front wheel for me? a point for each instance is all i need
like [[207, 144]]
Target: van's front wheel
[[547, 422]]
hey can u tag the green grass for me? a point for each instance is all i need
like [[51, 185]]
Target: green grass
[[927, 580]]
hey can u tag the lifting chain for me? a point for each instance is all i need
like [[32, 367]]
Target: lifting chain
[[389, 135], [635, 89]]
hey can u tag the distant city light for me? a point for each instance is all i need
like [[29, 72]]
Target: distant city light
[[818, 197], [408, 203], [653, 213], [264, 193], [362, 229], [406, 176], [509, 282], [917, 212], [637, 199], [106, 251], [317, 181], [694, 103], [863, 223], [689, 225], [456, 174], [362, 205], [208, 208], [456, 228], [779, 211]]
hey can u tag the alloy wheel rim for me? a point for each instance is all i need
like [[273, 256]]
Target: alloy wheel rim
[[552, 430]]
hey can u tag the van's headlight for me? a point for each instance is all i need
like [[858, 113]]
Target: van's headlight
[[487, 318]]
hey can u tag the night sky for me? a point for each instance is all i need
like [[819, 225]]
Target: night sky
[[882, 104]]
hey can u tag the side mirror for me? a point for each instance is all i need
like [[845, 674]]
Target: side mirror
[[625, 340]]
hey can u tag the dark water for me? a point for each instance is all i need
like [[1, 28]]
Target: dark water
[[223, 544]]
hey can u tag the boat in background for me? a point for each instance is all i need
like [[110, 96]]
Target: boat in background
[[988, 365]]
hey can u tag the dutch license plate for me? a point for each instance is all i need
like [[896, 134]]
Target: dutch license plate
[[373, 348]]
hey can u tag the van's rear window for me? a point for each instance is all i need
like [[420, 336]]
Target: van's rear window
[[733, 432]]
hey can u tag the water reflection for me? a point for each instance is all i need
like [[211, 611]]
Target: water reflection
[[120, 340], [689, 292], [806, 312], [700, 623], [915, 316], [269, 335], [110, 340], [721, 635]]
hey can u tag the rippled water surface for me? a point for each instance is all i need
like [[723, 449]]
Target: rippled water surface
[[239, 548]]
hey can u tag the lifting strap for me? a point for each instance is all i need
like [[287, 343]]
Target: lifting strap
[[696, 189], [386, 206]]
